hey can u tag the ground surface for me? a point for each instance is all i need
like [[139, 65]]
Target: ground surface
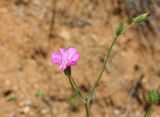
[[26, 45]]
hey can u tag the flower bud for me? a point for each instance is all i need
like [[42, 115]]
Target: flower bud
[[119, 29], [153, 97], [141, 18]]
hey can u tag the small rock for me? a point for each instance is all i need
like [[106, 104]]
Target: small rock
[[13, 114], [26, 103], [44, 111], [25, 110], [65, 34], [116, 112]]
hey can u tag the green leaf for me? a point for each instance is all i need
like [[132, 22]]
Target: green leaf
[[40, 94], [11, 97]]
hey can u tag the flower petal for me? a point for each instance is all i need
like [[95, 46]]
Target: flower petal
[[71, 52], [62, 67], [72, 63], [62, 51], [75, 57], [56, 58], [65, 58]]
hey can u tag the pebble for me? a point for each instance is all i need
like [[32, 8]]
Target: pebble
[[65, 34], [25, 110], [116, 112], [44, 111]]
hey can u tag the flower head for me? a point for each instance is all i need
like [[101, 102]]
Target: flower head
[[65, 58]]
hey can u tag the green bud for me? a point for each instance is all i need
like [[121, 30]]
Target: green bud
[[119, 29], [141, 18], [153, 97], [67, 71]]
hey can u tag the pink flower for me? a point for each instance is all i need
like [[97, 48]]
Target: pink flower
[[65, 58]]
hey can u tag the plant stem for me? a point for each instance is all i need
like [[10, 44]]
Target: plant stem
[[105, 63], [148, 112], [78, 94], [87, 110], [103, 68], [76, 91]]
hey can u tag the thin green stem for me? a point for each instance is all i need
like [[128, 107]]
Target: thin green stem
[[103, 68], [79, 94], [105, 63], [87, 110], [148, 112], [132, 24], [75, 89]]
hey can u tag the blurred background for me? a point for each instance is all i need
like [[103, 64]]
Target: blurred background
[[30, 30]]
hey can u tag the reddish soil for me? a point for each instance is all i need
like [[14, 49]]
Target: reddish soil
[[26, 45]]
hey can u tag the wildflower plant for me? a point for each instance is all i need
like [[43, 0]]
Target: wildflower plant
[[153, 99], [69, 57]]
